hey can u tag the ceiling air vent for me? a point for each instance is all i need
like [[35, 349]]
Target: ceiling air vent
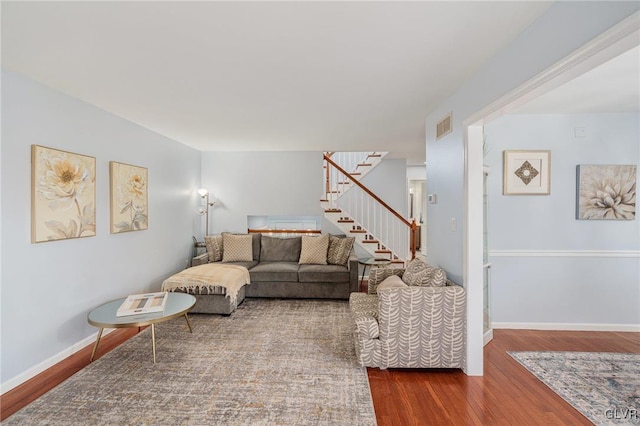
[[443, 127]]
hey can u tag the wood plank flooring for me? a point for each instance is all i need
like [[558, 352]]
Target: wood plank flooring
[[507, 394]]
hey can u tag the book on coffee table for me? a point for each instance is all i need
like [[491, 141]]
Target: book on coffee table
[[147, 303]]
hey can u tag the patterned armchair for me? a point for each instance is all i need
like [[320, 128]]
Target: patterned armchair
[[411, 327]]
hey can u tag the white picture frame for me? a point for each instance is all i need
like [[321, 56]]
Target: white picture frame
[[527, 172]]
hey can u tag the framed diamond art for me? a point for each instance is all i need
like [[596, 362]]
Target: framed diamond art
[[527, 173]]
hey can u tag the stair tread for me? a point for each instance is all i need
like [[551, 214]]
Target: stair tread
[[364, 165], [374, 155], [370, 241], [346, 221], [358, 231], [333, 211], [383, 251]]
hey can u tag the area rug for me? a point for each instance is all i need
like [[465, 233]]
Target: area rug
[[604, 387], [272, 362]]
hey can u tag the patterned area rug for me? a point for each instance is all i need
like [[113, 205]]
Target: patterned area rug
[[604, 387], [272, 362]]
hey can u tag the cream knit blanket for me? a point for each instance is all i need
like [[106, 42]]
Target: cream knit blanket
[[210, 278]]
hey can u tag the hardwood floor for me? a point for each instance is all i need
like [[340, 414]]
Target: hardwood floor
[[507, 394]]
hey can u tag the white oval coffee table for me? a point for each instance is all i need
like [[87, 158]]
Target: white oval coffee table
[[104, 316]]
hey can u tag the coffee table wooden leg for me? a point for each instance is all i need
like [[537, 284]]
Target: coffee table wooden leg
[[153, 342], [95, 347], [188, 323]]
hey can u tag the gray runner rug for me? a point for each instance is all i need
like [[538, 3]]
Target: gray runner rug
[[272, 362], [604, 387]]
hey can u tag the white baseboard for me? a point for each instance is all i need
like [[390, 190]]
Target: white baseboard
[[565, 327], [48, 363], [488, 336]]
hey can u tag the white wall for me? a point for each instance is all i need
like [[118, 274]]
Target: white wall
[[565, 27], [49, 288], [282, 183], [388, 181], [570, 288], [261, 183]]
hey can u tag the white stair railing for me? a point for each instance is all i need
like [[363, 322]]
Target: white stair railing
[[349, 160], [382, 222]]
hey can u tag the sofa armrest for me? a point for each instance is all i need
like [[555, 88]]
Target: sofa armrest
[[352, 265], [377, 275], [201, 259], [367, 327]]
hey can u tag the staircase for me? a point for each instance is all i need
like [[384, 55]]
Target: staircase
[[353, 208]]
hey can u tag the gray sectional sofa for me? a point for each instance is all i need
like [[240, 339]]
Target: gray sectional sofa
[[276, 273]]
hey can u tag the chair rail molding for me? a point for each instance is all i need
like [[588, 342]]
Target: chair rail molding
[[565, 253]]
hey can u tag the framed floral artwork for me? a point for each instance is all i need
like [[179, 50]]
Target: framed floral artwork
[[606, 192], [63, 195], [129, 199], [527, 173]]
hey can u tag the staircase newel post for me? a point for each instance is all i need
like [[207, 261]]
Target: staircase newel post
[[412, 239]]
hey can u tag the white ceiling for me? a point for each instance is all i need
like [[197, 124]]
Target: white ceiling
[[264, 75], [611, 87]]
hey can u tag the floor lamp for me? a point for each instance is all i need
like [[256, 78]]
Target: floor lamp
[[204, 210]]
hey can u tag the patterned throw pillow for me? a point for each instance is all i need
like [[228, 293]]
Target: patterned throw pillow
[[214, 247], [339, 250], [237, 248], [314, 250], [392, 281], [419, 273]]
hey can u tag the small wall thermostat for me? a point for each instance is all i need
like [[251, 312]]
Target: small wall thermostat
[[432, 198]]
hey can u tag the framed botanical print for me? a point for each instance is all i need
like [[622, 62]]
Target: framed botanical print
[[129, 197], [527, 173], [606, 192], [63, 195]]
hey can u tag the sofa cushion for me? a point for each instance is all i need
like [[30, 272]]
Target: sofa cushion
[[339, 250], [314, 250], [247, 265], [323, 274], [214, 247], [274, 249], [274, 271], [419, 273], [237, 248], [392, 281]]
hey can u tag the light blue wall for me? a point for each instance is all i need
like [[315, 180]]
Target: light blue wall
[[565, 27], [558, 288], [48, 288]]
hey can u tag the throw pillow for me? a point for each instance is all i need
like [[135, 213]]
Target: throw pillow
[[392, 281], [339, 250], [237, 248], [314, 250], [419, 273], [214, 247]]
